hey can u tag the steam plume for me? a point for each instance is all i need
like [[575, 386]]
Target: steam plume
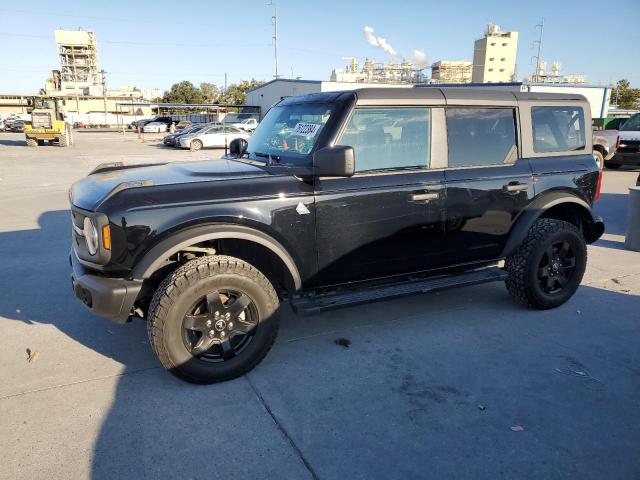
[[378, 42]]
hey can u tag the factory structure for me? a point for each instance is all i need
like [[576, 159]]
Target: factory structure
[[80, 84], [494, 61], [493, 66], [376, 72], [451, 71]]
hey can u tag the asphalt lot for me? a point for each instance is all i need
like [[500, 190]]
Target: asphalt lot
[[430, 387]]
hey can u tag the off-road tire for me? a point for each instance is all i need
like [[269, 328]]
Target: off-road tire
[[612, 166], [181, 288], [597, 154], [522, 266], [195, 145], [32, 142], [63, 141]]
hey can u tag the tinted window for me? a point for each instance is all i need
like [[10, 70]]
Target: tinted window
[[384, 138], [481, 136], [557, 129]]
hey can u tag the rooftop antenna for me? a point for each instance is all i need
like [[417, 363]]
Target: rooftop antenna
[[274, 22], [539, 42]]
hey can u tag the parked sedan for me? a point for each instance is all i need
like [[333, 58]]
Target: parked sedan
[[155, 127], [17, 126], [172, 139], [212, 137]]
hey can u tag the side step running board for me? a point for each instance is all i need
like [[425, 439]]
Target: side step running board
[[309, 305]]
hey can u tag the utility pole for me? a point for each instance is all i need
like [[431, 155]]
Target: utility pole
[[539, 42], [103, 75], [274, 21]]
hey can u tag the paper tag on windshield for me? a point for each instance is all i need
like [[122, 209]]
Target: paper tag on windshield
[[304, 129]]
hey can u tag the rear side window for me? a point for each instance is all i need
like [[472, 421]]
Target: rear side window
[[481, 136], [389, 138], [557, 129]]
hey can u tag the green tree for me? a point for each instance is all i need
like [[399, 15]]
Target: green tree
[[210, 92], [624, 96], [236, 94], [183, 92]]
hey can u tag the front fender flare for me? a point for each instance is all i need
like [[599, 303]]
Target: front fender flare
[[156, 257], [594, 226]]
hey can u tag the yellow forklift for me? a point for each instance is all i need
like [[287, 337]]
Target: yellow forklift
[[47, 123]]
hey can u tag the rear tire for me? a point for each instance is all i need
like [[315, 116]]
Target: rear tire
[[189, 339], [612, 166], [63, 141], [32, 142], [548, 267]]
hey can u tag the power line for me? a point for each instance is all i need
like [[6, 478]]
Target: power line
[[150, 44]]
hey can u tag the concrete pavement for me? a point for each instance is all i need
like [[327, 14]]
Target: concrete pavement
[[430, 386]]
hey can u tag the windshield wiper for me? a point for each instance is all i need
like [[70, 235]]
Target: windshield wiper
[[267, 155]]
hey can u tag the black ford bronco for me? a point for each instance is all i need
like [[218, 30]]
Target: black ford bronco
[[338, 199]]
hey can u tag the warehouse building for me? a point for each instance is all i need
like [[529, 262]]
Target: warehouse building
[[271, 92]]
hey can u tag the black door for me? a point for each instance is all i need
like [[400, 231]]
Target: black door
[[387, 219], [487, 183]]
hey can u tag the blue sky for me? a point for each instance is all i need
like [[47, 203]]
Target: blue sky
[[153, 44]]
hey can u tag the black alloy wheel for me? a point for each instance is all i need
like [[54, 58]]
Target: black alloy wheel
[[220, 325], [556, 267]]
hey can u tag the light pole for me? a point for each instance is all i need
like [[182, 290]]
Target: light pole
[[274, 22], [539, 42]]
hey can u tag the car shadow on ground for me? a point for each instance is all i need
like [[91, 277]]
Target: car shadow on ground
[[612, 207], [13, 143]]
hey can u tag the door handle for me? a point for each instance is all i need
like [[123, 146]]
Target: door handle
[[515, 187], [425, 197]]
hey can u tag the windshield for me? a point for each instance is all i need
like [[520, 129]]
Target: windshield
[[289, 130], [632, 124]]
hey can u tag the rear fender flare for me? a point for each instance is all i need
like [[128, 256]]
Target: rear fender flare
[[156, 257], [593, 229]]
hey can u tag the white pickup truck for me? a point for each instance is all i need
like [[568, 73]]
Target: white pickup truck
[[248, 124], [604, 146], [628, 147]]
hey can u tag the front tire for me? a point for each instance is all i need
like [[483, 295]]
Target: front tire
[[32, 142], [195, 145], [213, 319], [548, 267]]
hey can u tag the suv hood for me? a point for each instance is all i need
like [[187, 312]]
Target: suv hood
[[93, 190]]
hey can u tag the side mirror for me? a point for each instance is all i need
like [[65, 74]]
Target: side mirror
[[337, 161], [238, 147]]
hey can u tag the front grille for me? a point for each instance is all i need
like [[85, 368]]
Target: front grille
[[77, 233]]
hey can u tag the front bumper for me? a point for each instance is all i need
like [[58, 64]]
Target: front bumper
[[111, 298]]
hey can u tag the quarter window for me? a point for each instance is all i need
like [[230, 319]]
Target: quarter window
[[481, 136], [389, 138], [557, 129]]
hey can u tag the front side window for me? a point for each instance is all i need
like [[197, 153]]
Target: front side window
[[291, 130], [481, 136], [557, 129], [389, 138]]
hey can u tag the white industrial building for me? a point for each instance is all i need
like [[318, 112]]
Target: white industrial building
[[597, 96], [271, 92], [494, 56]]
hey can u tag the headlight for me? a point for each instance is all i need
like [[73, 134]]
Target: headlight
[[91, 236]]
